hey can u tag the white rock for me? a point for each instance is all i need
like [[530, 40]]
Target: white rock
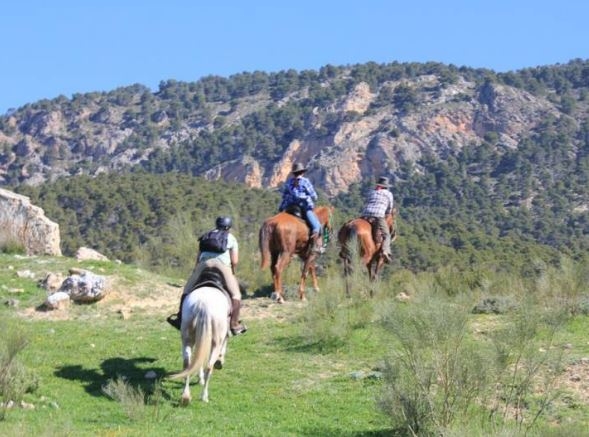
[[57, 300]]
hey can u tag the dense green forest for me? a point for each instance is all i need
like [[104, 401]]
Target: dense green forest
[[142, 217]]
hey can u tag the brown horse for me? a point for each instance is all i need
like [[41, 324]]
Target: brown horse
[[284, 235], [359, 231]]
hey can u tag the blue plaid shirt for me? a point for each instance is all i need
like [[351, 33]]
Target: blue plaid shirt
[[298, 191], [379, 203]]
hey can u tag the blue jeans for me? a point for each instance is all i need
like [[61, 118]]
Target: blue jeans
[[313, 221]]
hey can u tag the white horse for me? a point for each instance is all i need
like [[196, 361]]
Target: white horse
[[205, 330]]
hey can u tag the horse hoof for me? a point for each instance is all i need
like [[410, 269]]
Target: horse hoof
[[185, 401], [276, 297]]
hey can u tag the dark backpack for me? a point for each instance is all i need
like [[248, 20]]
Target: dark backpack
[[213, 241]]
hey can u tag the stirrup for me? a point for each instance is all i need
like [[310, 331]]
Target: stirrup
[[174, 320], [319, 250], [241, 329]]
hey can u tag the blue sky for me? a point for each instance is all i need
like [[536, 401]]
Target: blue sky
[[63, 47]]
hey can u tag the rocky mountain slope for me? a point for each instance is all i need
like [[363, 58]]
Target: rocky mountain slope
[[367, 128]]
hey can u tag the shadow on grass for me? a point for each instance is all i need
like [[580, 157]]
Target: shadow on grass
[[262, 292], [331, 432], [302, 344], [113, 368]]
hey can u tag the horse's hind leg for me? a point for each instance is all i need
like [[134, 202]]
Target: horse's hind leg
[[221, 358], [308, 267], [205, 388], [280, 265], [186, 352], [217, 356], [313, 271]]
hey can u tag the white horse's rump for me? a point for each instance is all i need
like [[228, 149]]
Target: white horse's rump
[[205, 330]]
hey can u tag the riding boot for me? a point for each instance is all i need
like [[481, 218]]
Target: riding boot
[[316, 243], [235, 324], [176, 319]]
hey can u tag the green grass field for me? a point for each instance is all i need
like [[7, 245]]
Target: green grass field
[[303, 369]]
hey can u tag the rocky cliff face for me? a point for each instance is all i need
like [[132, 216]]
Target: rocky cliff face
[[374, 134], [379, 141], [25, 225]]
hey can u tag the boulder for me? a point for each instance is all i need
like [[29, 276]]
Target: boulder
[[87, 254], [56, 301], [24, 224], [52, 282], [85, 287]]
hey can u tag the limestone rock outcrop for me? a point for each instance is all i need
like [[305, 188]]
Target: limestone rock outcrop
[[24, 224], [370, 129]]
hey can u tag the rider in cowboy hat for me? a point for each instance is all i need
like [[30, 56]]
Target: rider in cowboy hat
[[298, 190], [379, 204]]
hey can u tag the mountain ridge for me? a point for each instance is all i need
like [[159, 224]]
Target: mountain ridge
[[357, 133]]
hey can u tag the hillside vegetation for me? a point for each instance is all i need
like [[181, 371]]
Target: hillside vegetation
[[367, 364], [154, 220], [486, 167]]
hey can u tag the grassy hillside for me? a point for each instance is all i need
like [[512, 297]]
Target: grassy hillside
[[331, 366]]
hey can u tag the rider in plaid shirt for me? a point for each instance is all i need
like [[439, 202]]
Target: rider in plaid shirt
[[378, 205]]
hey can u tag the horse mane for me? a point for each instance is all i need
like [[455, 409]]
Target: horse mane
[[324, 214]]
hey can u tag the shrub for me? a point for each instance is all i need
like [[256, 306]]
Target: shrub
[[15, 380], [526, 365], [436, 373], [11, 246], [132, 399]]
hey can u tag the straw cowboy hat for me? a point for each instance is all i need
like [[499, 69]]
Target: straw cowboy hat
[[298, 168], [383, 181]]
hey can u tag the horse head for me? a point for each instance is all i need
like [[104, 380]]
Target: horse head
[[392, 224], [325, 216]]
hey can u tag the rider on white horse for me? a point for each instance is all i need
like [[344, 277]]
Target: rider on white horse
[[218, 250]]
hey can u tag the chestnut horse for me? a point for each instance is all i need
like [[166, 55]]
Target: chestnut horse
[[284, 235], [359, 231]]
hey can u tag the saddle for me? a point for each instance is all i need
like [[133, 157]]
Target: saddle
[[297, 211], [212, 277]]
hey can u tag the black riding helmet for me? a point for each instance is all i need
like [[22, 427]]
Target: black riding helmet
[[223, 223]]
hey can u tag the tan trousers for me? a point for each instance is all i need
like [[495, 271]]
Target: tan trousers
[[230, 280], [381, 223]]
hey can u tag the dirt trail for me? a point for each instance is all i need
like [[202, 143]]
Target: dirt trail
[[155, 299]]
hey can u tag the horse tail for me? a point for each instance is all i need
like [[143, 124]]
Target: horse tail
[[203, 343], [347, 235], [264, 244]]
